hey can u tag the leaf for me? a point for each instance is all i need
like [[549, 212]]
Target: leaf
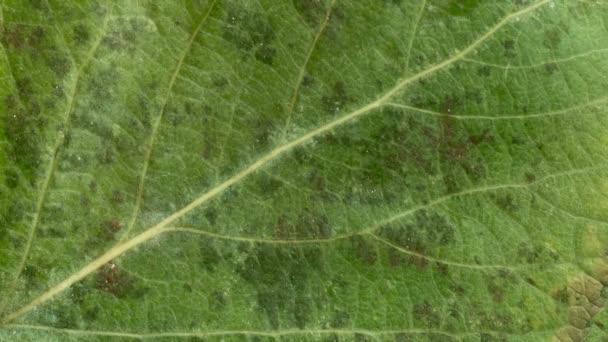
[[303, 170]]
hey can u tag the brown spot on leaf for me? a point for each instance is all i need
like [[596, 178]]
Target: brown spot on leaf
[[110, 278]]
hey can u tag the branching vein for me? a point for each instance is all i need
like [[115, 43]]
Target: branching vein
[[161, 227], [48, 176], [159, 118]]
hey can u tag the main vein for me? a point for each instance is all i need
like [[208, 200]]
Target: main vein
[[160, 227]]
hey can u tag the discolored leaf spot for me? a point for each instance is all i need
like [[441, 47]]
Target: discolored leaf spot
[[509, 48], [340, 319], [280, 277], [338, 99], [210, 257], [81, 33], [60, 65], [552, 38], [22, 36], [497, 292], [530, 177], [211, 215], [111, 279], [462, 8], [109, 228], [11, 178], [425, 313], [358, 337], [217, 300], [505, 202], [312, 11], [250, 32], [536, 253], [21, 129], [551, 68], [484, 71], [364, 250]]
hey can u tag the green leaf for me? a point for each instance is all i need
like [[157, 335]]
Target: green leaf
[[414, 170]]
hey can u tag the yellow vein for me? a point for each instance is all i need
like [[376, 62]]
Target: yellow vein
[[156, 125], [48, 176], [414, 32], [301, 75], [255, 240], [217, 333], [437, 260], [537, 65], [278, 151], [558, 112]]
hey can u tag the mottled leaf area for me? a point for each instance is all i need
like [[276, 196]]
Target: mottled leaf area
[[303, 170]]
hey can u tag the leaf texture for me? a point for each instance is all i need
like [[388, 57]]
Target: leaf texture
[[382, 170]]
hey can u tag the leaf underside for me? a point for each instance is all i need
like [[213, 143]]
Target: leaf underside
[[382, 170]]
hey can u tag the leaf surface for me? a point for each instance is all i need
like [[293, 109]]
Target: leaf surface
[[428, 170]]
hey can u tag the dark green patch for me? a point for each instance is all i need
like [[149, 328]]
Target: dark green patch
[[220, 82], [340, 319], [364, 249], [60, 64], [426, 314], [33, 277], [262, 127], [211, 215], [123, 35], [551, 68], [318, 184], [22, 36], [106, 155], [100, 85], [22, 129], [505, 202], [462, 8], [442, 268], [210, 257], [250, 32], [11, 178], [312, 11], [561, 295], [535, 253], [427, 230], [552, 38], [81, 34], [496, 290], [335, 102], [509, 48], [484, 71], [363, 338], [217, 300], [280, 276], [117, 198], [307, 225]]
